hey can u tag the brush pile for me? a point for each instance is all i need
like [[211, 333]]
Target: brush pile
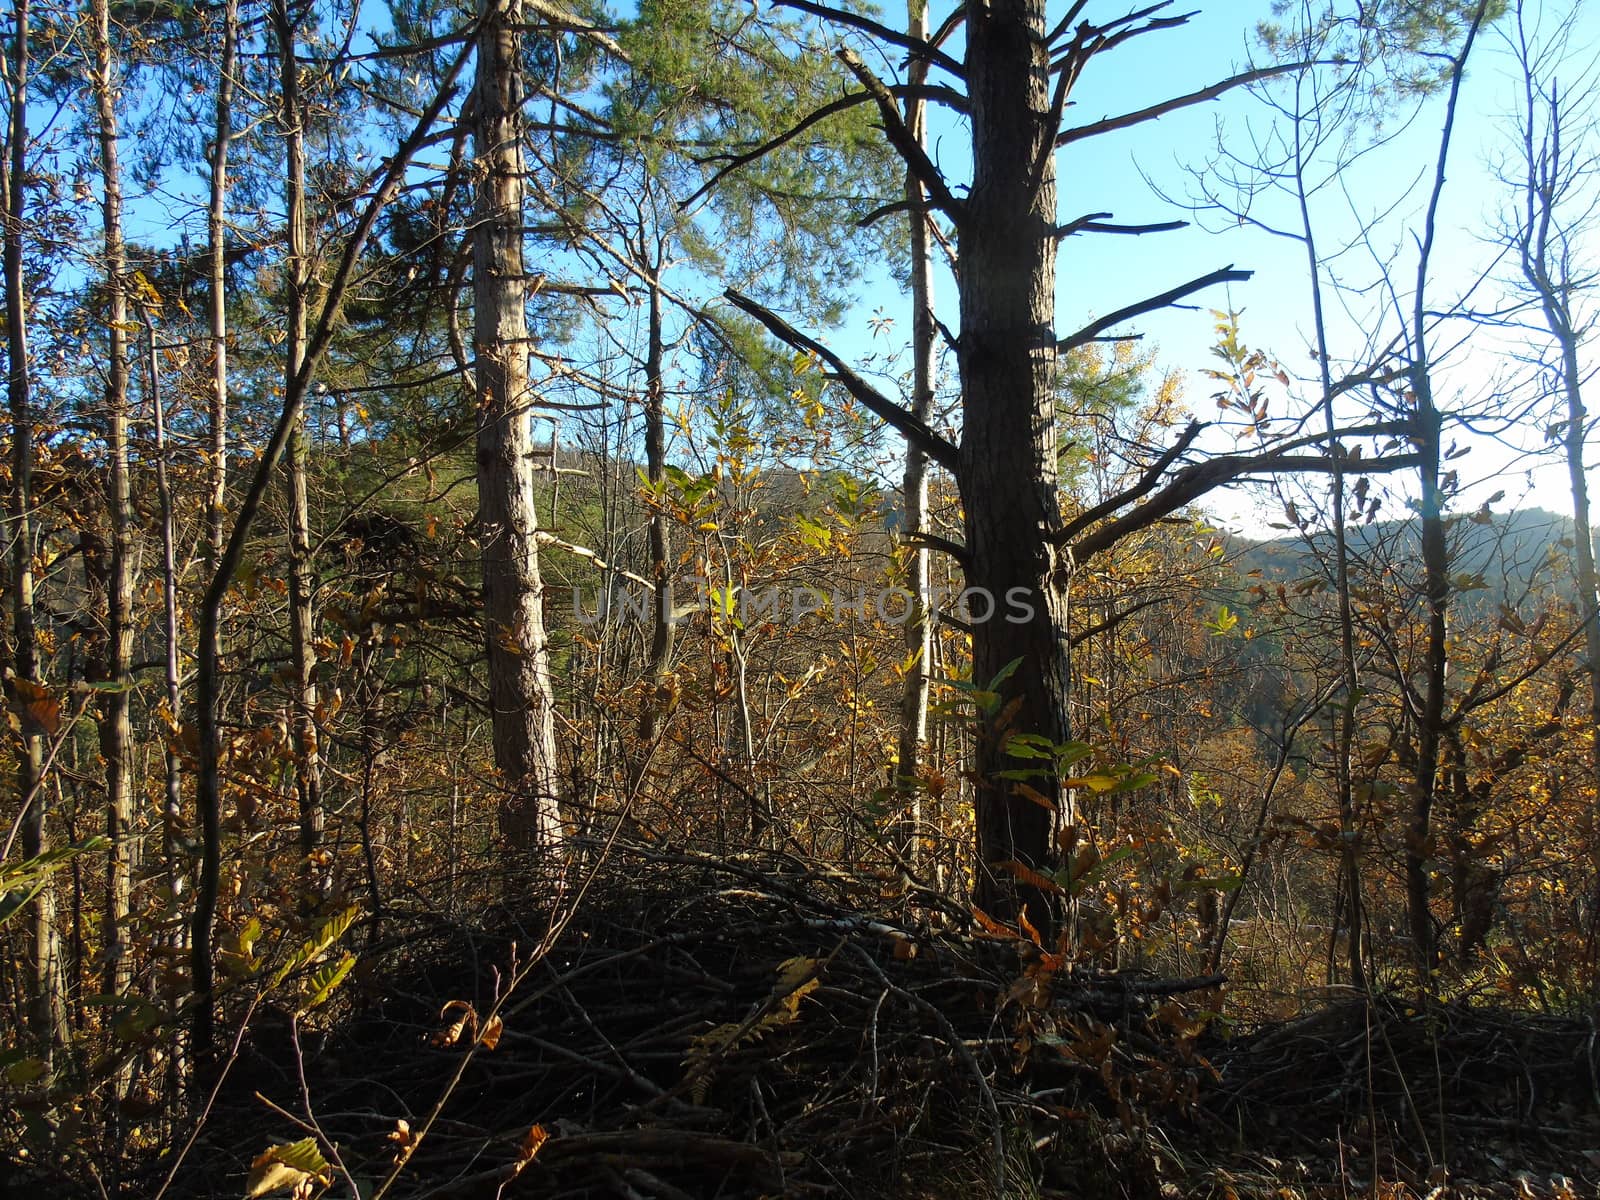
[[745, 1028]]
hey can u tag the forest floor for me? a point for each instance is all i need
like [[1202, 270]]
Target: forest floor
[[747, 1028]]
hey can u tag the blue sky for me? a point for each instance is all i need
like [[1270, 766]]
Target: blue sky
[[1115, 173], [1099, 274]]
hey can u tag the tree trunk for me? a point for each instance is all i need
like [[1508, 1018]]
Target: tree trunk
[[513, 592], [1008, 451], [116, 724], [655, 458], [216, 248], [914, 487], [46, 1005], [303, 703], [1430, 718], [1344, 733], [1427, 435]]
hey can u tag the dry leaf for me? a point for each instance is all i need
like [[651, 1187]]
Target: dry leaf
[[537, 1137], [452, 1033]]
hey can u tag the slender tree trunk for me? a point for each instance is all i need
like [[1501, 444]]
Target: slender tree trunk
[[1428, 434], [1345, 727], [1544, 246], [216, 239], [1008, 452], [655, 457], [172, 630], [116, 723], [208, 672], [302, 583], [46, 1005], [914, 487], [519, 668], [1430, 717], [208, 784]]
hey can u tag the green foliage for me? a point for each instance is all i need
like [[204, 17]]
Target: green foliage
[[22, 881], [1394, 49]]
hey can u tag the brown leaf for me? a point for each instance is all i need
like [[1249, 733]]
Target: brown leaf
[[452, 1033], [39, 711]]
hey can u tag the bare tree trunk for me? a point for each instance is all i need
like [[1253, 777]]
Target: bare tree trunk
[[1428, 433], [308, 765], [655, 457], [47, 1007], [172, 815], [519, 668], [914, 487], [1008, 451], [216, 238], [1430, 716], [1552, 217], [1345, 730], [116, 724]]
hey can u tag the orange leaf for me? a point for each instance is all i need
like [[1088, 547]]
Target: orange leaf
[[537, 1137], [1026, 874], [992, 927], [1027, 928], [1034, 794]]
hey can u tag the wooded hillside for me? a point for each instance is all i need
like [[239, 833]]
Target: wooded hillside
[[585, 617]]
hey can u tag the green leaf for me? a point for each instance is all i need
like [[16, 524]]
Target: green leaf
[[25, 1071], [1005, 673], [21, 882], [324, 980], [326, 935], [1029, 745]]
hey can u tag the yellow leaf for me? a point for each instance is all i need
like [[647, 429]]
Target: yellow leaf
[[287, 1168]]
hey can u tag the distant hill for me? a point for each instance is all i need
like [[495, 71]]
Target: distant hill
[[1497, 557]]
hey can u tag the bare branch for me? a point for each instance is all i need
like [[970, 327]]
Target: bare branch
[[732, 162], [1166, 299], [917, 47], [1097, 223], [874, 401], [1166, 106], [903, 140]]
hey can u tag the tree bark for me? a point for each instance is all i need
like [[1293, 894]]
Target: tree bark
[[46, 1004], [116, 723], [172, 804], [216, 249], [914, 484], [1427, 436], [1007, 473], [518, 646], [302, 582]]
